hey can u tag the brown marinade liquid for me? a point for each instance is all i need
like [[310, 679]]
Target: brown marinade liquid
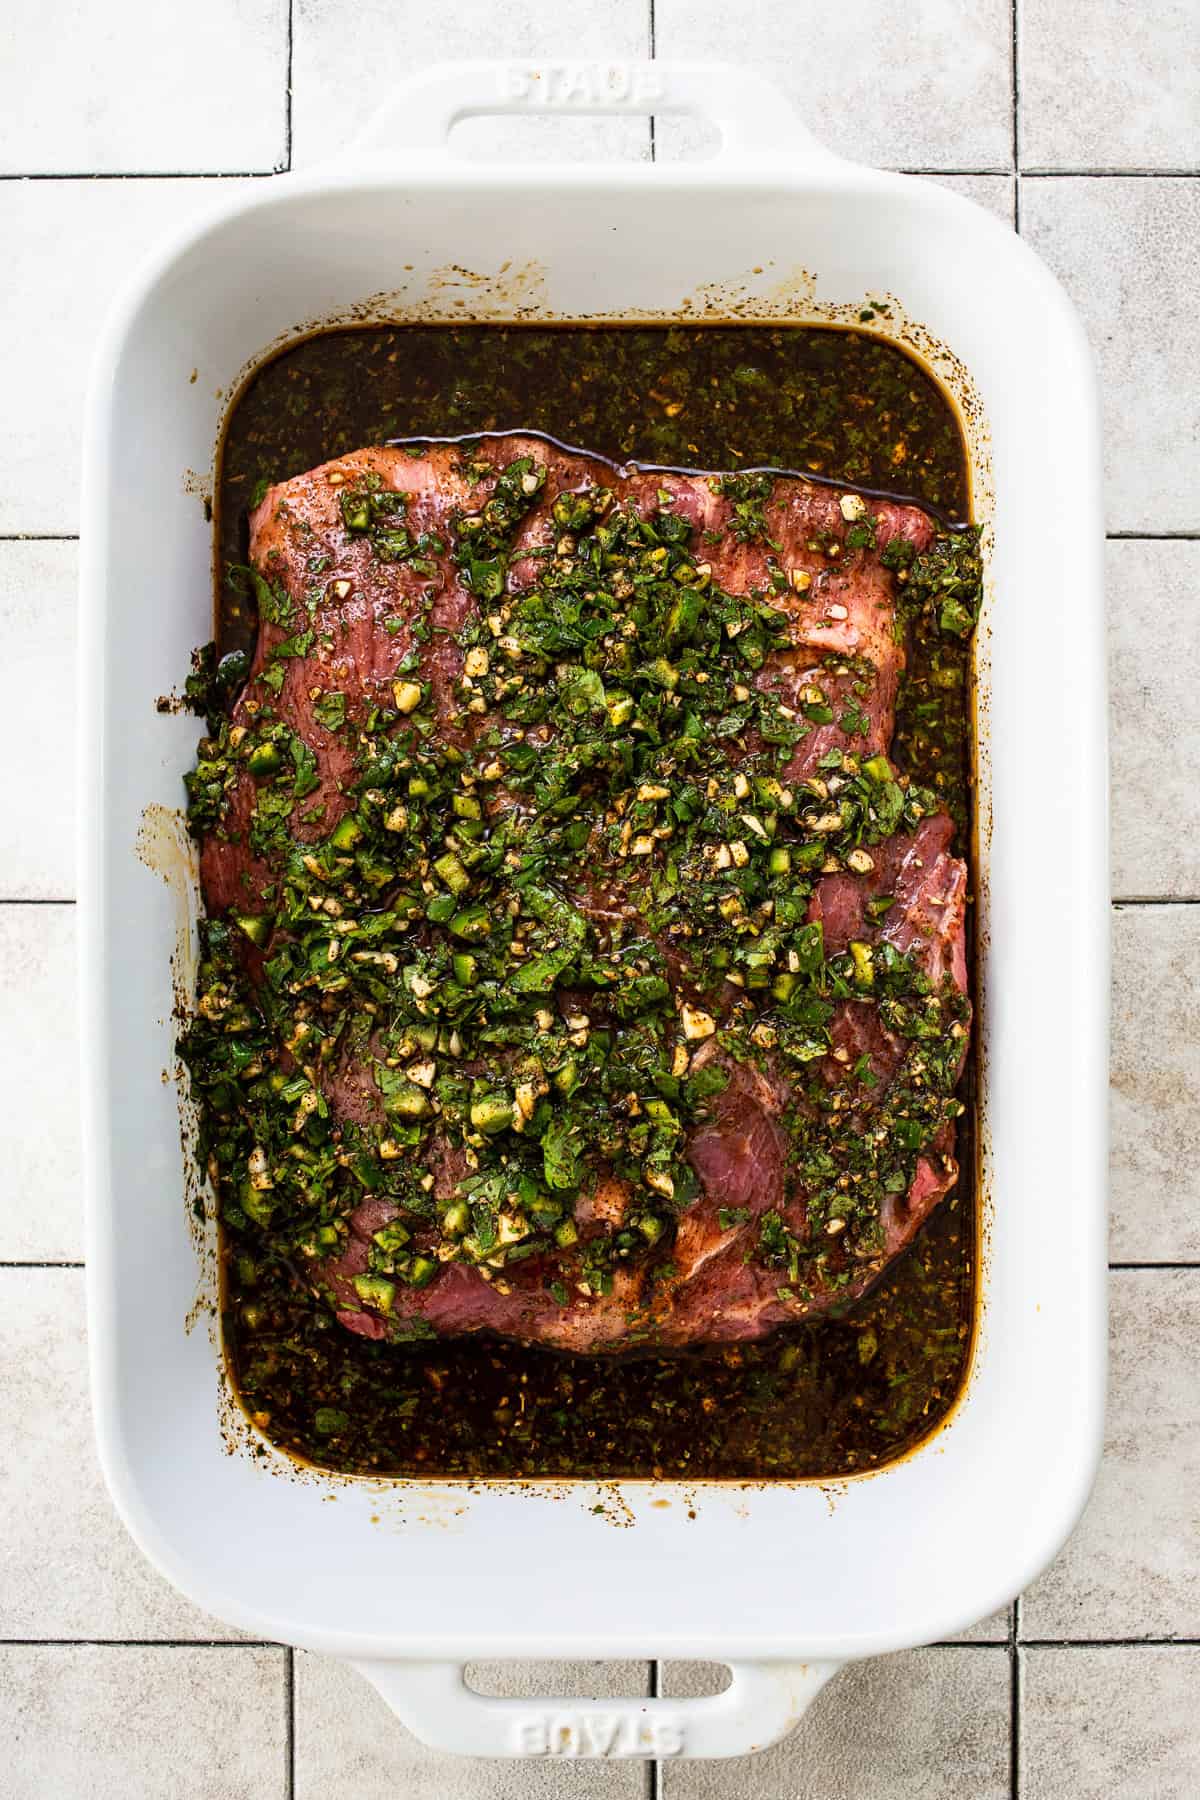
[[843, 1393]]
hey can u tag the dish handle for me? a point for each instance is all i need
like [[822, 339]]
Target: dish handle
[[756, 122], [763, 1702]]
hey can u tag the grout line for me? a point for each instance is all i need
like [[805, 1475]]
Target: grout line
[[1024, 1643], [656, 1782], [1155, 900], [653, 47], [94, 1643], [1153, 537], [143, 175], [1015, 82], [996, 1645], [1015, 71], [287, 99], [1130, 1643], [949, 174], [1050, 174], [4, 1264], [39, 537], [27, 900], [289, 1718], [1123, 1268], [1113, 174], [1014, 1743]]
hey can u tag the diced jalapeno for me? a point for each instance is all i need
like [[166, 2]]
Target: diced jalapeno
[[256, 1204], [684, 615], [864, 964], [491, 1111], [257, 926], [539, 975], [456, 1219], [408, 1101], [449, 869], [473, 924], [264, 759], [571, 512], [376, 875], [376, 1291], [758, 965], [392, 1237], [356, 511]]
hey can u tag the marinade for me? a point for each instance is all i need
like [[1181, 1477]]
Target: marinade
[[840, 1393]]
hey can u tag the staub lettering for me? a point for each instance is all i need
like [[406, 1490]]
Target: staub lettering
[[597, 1735], [568, 86]]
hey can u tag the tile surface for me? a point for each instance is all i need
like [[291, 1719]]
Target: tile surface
[[996, 1629], [1105, 85], [334, 89], [350, 1746], [68, 245], [1110, 1724], [136, 87], [1153, 591], [39, 1126], [37, 678], [1132, 1569], [1126, 252], [1155, 1159], [138, 1724], [68, 1567], [130, 88], [925, 1723], [922, 86], [995, 192]]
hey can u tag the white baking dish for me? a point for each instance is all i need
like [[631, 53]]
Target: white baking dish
[[787, 1579]]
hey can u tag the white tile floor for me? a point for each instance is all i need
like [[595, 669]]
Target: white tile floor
[[110, 1685]]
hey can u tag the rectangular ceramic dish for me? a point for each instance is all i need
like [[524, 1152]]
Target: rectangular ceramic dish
[[785, 1579]]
